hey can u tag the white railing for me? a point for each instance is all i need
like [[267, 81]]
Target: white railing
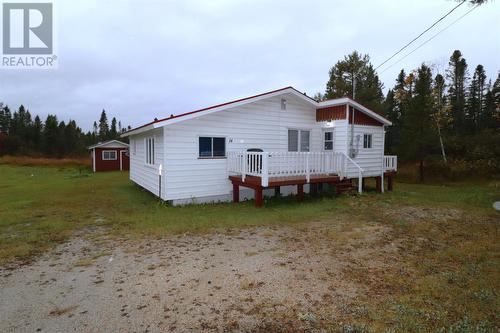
[[390, 163], [287, 164]]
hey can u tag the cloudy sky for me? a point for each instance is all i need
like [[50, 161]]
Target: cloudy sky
[[145, 59]]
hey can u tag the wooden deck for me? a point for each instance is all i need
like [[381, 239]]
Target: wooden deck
[[255, 182]]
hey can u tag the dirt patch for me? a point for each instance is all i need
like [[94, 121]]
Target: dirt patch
[[416, 214], [259, 279]]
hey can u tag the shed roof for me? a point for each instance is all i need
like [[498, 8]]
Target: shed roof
[[109, 144]]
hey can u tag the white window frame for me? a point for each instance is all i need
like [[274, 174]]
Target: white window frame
[[149, 149], [369, 141], [212, 147], [299, 139], [330, 130], [109, 158]]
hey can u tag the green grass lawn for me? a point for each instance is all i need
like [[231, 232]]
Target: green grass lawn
[[40, 206], [454, 279]]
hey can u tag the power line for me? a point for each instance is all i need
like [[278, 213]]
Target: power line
[[414, 39], [428, 40]]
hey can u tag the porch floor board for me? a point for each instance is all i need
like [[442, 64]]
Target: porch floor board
[[254, 181]]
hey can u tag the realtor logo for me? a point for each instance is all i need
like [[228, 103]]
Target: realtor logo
[[27, 29]]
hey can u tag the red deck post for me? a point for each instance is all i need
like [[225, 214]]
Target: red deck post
[[258, 197], [300, 192], [390, 182], [313, 188], [236, 192], [379, 184]]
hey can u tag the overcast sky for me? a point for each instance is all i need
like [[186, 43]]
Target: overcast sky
[[145, 59]]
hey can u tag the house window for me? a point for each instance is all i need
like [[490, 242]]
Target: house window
[[283, 104], [134, 146], [211, 147], [328, 140], [298, 140], [109, 155], [367, 141], [150, 151]]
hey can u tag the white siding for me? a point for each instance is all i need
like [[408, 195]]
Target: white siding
[[370, 159], [260, 124], [141, 173]]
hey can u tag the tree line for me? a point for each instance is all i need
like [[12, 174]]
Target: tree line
[[437, 117], [21, 134]]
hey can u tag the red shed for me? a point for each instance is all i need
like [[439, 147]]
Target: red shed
[[109, 156]]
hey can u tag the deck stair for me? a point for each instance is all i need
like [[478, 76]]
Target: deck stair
[[345, 186]]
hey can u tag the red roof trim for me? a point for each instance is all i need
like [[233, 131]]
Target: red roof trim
[[219, 105]]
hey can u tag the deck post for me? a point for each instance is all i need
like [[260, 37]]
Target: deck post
[[236, 192], [308, 171], [265, 169], [360, 182], [313, 188], [389, 182], [258, 196], [378, 181], [300, 192]]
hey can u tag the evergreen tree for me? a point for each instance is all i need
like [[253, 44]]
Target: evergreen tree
[[490, 118], [37, 134], [439, 115], [355, 74], [418, 130], [113, 132], [457, 74], [103, 127], [5, 119], [51, 136], [392, 132], [475, 101]]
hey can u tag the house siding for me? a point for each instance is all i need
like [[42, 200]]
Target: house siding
[[261, 124], [370, 159], [141, 173], [110, 165]]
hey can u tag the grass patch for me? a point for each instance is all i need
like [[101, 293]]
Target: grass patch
[[84, 262]]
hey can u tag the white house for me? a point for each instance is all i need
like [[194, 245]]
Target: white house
[[280, 139]]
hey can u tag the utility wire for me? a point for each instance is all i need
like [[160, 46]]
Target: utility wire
[[414, 39], [434, 36]]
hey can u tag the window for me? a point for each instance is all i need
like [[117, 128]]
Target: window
[[134, 146], [150, 151], [298, 139], [283, 104], [109, 155], [328, 141], [367, 141], [210, 147]]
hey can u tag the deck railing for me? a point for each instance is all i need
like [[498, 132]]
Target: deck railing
[[390, 163], [286, 164]]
